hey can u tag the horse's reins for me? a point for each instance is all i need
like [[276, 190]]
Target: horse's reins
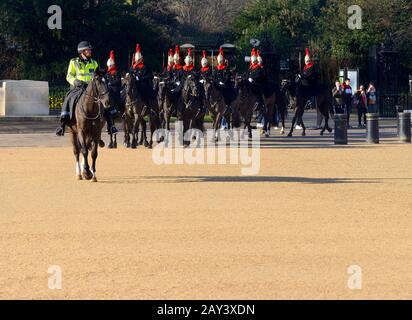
[[95, 100]]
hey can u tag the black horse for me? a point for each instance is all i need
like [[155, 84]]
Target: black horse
[[135, 112], [189, 109], [323, 98]]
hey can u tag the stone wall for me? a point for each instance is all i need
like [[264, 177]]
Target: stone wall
[[24, 98]]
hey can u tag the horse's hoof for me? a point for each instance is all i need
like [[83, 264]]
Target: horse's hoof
[[146, 144], [303, 134], [134, 146], [79, 177], [290, 135], [94, 179], [87, 175], [321, 133], [115, 145], [110, 146], [329, 130]]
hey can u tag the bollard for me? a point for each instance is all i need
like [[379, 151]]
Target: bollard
[[341, 129], [372, 128], [404, 132]]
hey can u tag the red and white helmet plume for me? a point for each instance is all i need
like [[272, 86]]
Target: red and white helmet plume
[[204, 61], [111, 62], [138, 57], [221, 57], [189, 57], [176, 56]]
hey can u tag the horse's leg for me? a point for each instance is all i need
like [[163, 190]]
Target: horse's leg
[[94, 154], [293, 124], [144, 134], [115, 142], [110, 146], [283, 116], [135, 130], [152, 125], [303, 128], [76, 151], [216, 126], [85, 151]]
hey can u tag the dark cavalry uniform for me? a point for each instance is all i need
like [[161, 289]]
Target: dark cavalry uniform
[[114, 83], [308, 84], [222, 75], [206, 73], [144, 79], [256, 73]]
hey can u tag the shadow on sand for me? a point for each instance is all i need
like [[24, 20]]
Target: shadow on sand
[[237, 179]]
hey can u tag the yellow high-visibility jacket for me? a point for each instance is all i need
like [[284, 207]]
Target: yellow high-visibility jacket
[[80, 70]]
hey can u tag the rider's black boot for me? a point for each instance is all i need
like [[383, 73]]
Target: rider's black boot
[[61, 128]]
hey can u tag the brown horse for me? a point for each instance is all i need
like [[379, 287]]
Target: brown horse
[[87, 124]]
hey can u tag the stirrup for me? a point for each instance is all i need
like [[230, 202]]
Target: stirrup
[[60, 131]]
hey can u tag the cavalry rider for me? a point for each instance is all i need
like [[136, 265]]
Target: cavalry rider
[[80, 72], [206, 70], [168, 72], [177, 72], [114, 82], [308, 80], [144, 78], [256, 78], [222, 78], [189, 67]]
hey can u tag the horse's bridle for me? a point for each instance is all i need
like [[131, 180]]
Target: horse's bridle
[[96, 100]]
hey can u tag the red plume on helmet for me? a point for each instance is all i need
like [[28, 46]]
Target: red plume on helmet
[[111, 63], [308, 60], [221, 58], [204, 62]]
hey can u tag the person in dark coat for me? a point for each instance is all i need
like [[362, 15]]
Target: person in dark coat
[[308, 79], [114, 83], [144, 77], [223, 80], [255, 77], [167, 73]]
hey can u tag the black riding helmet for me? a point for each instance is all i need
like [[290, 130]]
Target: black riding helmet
[[84, 45]]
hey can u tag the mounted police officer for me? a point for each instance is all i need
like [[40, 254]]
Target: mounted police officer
[[256, 78], [144, 78], [222, 78], [114, 83], [80, 72]]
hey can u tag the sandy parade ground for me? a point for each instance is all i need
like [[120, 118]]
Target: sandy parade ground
[[148, 231]]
